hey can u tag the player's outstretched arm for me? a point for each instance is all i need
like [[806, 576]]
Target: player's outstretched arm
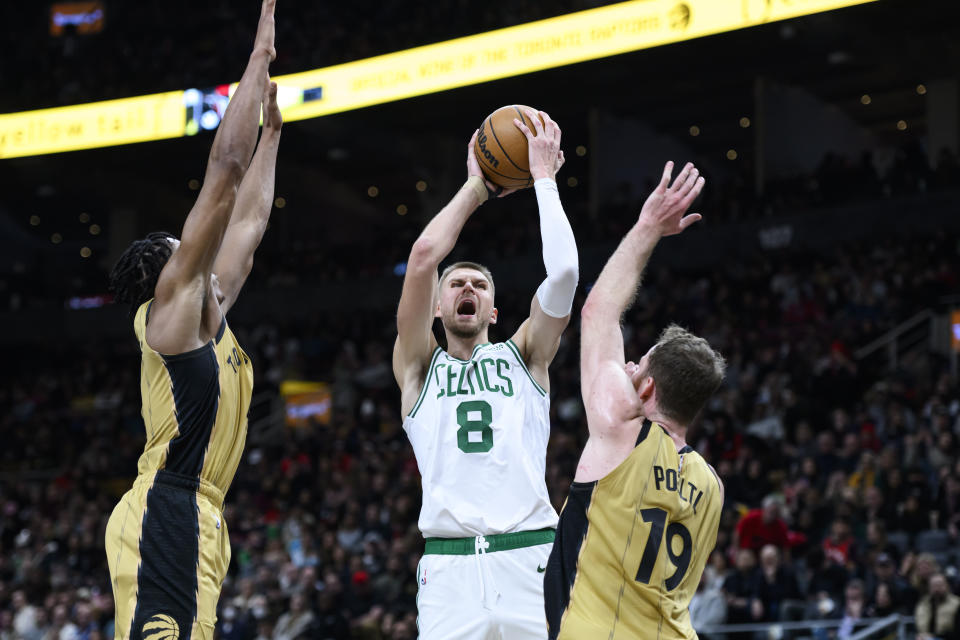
[[415, 313], [608, 393], [182, 290], [538, 338], [251, 213]]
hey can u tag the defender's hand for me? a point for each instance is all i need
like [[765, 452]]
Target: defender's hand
[[473, 169], [665, 207], [264, 41], [272, 118], [543, 145]]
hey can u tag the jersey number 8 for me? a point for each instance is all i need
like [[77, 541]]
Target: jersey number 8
[[474, 416]]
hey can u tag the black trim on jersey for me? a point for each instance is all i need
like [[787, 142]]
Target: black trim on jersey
[[167, 575], [644, 431], [222, 329], [146, 316], [686, 449], [186, 354], [195, 379], [562, 566]]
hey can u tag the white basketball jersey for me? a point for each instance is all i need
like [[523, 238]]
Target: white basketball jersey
[[480, 430]]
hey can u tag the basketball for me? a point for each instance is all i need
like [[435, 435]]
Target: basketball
[[501, 148]]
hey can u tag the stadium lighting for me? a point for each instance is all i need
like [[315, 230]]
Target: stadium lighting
[[525, 48]]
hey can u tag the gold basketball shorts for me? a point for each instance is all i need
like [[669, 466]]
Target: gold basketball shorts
[[168, 551]]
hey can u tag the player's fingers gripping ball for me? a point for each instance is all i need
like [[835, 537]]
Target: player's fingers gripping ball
[[501, 148]]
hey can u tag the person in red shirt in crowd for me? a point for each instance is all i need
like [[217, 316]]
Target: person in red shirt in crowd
[[839, 545], [760, 527]]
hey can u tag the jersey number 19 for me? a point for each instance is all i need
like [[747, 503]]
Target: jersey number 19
[[658, 518]]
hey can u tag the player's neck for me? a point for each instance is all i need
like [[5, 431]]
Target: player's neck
[[677, 433], [462, 348], [679, 437]]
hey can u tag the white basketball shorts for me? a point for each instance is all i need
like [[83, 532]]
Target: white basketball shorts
[[484, 588]]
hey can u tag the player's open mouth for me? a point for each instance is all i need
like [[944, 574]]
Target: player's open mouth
[[467, 307]]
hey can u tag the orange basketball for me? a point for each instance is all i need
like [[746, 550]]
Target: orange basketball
[[501, 148]]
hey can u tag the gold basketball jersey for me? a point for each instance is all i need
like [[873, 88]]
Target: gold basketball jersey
[[194, 407], [166, 541], [631, 547]]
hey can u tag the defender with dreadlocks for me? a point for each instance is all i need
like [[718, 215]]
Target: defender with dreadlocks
[[166, 541]]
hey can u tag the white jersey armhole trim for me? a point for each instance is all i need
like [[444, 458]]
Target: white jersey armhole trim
[[516, 351], [426, 382]]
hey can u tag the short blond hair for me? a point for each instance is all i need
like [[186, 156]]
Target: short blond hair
[[465, 264], [687, 371]]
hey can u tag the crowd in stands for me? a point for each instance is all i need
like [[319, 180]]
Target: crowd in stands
[[303, 258], [840, 179], [842, 479]]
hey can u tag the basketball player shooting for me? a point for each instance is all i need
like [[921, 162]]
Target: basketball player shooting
[[642, 514], [477, 415], [166, 541]]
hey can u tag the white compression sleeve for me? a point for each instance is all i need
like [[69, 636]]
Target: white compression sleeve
[[559, 252]]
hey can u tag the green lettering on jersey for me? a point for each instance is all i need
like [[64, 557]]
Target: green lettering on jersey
[[451, 381], [437, 376], [508, 389], [460, 378], [465, 375], [479, 376], [486, 378]]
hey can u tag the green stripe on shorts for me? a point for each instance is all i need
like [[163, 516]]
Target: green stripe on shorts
[[498, 542]]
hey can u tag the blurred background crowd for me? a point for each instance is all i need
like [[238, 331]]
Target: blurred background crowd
[[842, 479]]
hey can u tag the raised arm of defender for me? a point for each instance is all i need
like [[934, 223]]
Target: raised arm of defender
[[609, 395], [538, 338], [181, 319], [251, 213]]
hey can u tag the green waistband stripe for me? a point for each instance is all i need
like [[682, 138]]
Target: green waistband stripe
[[498, 542]]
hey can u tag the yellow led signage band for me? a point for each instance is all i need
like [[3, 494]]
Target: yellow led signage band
[[545, 44]]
